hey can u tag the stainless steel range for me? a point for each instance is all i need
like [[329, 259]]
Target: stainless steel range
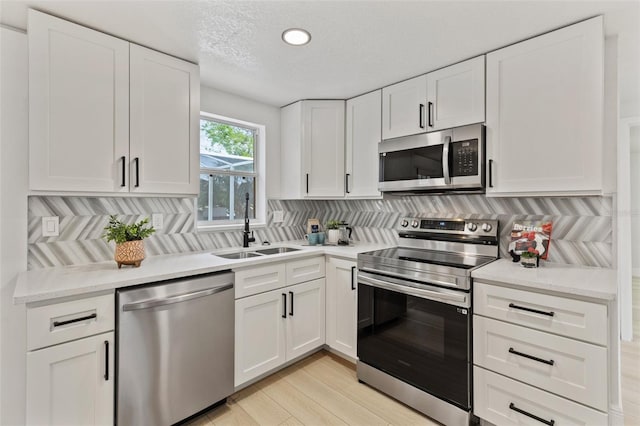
[[414, 314]]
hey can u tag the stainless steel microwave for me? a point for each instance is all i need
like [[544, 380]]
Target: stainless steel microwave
[[449, 160]]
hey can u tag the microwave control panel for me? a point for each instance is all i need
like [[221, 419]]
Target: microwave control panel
[[464, 158]]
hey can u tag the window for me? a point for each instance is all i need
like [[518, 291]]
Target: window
[[228, 171]]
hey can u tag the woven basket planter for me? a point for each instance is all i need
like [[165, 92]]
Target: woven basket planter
[[129, 253]]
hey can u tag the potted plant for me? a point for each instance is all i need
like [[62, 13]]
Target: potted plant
[[128, 239], [530, 259], [333, 234]]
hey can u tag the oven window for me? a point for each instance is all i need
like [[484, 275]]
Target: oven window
[[422, 342], [411, 164]]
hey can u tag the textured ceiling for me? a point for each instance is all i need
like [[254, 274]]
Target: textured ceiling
[[356, 46]]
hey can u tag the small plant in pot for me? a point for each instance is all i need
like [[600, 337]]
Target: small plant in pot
[[333, 234], [128, 239], [530, 259]]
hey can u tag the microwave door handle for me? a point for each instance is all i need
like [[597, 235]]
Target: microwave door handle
[[445, 160]]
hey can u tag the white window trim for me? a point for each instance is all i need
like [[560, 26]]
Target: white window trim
[[259, 160]]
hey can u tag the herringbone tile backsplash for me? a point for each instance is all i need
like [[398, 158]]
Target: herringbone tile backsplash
[[582, 226]]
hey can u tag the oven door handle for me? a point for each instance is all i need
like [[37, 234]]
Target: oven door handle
[[430, 277], [438, 296]]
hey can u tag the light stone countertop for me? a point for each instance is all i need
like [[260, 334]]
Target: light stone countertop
[[51, 283], [596, 283]]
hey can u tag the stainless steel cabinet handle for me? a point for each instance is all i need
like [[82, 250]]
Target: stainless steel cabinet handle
[[71, 321], [534, 358], [106, 360], [513, 407], [175, 299]]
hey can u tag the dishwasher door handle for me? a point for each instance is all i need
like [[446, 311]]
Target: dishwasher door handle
[[152, 303]]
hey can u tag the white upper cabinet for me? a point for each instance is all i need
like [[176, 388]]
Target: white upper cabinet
[[404, 108], [313, 149], [544, 114], [107, 115], [78, 107], [363, 134], [165, 108], [455, 95]]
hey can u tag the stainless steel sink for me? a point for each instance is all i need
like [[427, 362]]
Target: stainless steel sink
[[239, 255], [277, 250]]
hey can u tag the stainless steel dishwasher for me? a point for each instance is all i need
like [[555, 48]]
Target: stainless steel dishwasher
[[175, 344]]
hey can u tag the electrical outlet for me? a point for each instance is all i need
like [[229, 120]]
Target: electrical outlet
[[50, 226], [157, 220], [278, 216]]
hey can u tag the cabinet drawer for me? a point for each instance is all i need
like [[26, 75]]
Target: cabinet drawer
[[305, 270], [496, 399], [572, 318], [61, 322], [573, 369], [258, 280]]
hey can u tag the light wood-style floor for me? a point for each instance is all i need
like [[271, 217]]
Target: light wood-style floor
[[319, 390]]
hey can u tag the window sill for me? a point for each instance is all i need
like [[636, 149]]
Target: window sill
[[228, 227]]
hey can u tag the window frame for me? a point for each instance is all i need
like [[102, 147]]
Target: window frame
[[258, 174]]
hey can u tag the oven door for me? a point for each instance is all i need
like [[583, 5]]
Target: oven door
[[415, 335]]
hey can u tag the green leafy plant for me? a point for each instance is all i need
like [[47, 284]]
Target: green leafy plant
[[332, 224], [120, 232]]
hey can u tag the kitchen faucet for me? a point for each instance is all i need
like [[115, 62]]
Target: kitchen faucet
[[246, 239]]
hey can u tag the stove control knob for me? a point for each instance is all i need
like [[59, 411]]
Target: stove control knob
[[486, 227], [404, 223], [415, 223], [472, 226]]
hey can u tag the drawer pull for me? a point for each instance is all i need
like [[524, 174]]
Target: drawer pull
[[513, 407], [106, 360], [535, 311], [535, 358], [71, 321]]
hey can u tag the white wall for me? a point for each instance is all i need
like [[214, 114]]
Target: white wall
[[222, 103], [13, 220], [634, 141]]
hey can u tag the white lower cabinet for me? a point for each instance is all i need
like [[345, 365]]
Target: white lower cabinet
[[342, 306], [72, 383], [533, 362], [503, 401], [279, 325]]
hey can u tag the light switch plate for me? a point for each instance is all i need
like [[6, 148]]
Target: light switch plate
[[278, 216], [157, 220], [50, 226]]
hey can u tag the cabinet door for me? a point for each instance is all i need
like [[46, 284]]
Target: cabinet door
[[72, 383], [404, 108], [342, 306], [455, 95], [165, 111], [78, 107], [544, 113], [260, 336], [323, 148], [305, 317], [363, 134]]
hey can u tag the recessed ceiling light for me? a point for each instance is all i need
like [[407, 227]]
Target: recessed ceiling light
[[296, 36]]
